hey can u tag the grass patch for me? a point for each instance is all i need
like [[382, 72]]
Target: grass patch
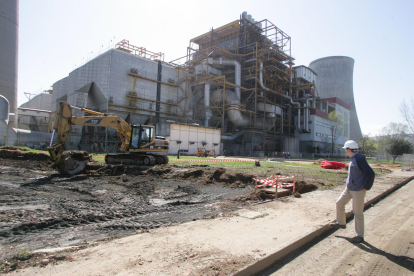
[[23, 255], [311, 173], [373, 161], [13, 262], [100, 159]]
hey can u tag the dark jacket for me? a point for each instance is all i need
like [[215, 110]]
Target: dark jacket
[[360, 174]]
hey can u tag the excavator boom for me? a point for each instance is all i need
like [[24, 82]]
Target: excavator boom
[[65, 120]]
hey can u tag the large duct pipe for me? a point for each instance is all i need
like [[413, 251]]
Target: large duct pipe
[[234, 113], [299, 129], [314, 101], [184, 83], [307, 116], [209, 113], [260, 67], [260, 81], [207, 94], [237, 70], [237, 117]]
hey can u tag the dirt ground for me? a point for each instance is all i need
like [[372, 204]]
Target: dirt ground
[[388, 248], [41, 208], [112, 220]]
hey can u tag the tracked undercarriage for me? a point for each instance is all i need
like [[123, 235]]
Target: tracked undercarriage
[[136, 158]]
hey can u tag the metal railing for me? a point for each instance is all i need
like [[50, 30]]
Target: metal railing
[[388, 158], [407, 162]]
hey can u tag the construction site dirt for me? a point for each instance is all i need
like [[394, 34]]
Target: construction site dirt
[[40, 208], [43, 209]]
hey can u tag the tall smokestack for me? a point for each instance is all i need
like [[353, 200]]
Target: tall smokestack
[[9, 30]]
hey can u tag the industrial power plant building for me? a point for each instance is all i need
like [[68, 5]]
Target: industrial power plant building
[[236, 91]]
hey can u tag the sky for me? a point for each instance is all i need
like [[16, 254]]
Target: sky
[[57, 36]]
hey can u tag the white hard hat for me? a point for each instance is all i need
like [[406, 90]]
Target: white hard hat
[[350, 144]]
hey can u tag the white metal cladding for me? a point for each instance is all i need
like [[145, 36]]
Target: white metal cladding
[[25, 137], [291, 145], [188, 138], [305, 73], [41, 101], [110, 74]]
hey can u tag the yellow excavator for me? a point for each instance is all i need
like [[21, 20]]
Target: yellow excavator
[[202, 152], [139, 145]]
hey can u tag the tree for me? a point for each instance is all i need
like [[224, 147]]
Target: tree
[[395, 130], [367, 145], [398, 146], [336, 125], [389, 132], [407, 112]]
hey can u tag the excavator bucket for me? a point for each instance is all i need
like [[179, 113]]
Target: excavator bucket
[[73, 162]]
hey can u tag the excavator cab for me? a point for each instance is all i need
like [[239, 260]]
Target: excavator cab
[[144, 140], [141, 136]]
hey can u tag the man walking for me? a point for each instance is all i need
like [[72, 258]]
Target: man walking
[[359, 181]]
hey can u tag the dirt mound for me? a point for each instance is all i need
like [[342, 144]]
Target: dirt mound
[[319, 161], [386, 166], [13, 148], [258, 195], [303, 187], [228, 179], [218, 173], [254, 195], [21, 155], [203, 175]]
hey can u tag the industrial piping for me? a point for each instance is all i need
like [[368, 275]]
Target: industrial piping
[[181, 83], [233, 98], [260, 80], [237, 70], [208, 111], [235, 114]]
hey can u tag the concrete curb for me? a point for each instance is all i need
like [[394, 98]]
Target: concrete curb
[[266, 262]]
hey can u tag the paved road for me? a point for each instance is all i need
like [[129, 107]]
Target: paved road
[[388, 248]]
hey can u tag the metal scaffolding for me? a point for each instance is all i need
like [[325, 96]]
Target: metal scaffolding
[[264, 52], [268, 96]]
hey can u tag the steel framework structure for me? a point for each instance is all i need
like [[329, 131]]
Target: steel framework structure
[[268, 84], [267, 88]]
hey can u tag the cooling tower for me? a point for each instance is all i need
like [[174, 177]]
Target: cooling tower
[[335, 79], [9, 28]]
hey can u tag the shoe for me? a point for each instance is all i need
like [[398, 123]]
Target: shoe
[[357, 239], [337, 225]]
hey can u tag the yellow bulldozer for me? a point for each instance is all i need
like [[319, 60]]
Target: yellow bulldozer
[[139, 145]]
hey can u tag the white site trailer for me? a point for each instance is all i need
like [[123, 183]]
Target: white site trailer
[[187, 138]]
